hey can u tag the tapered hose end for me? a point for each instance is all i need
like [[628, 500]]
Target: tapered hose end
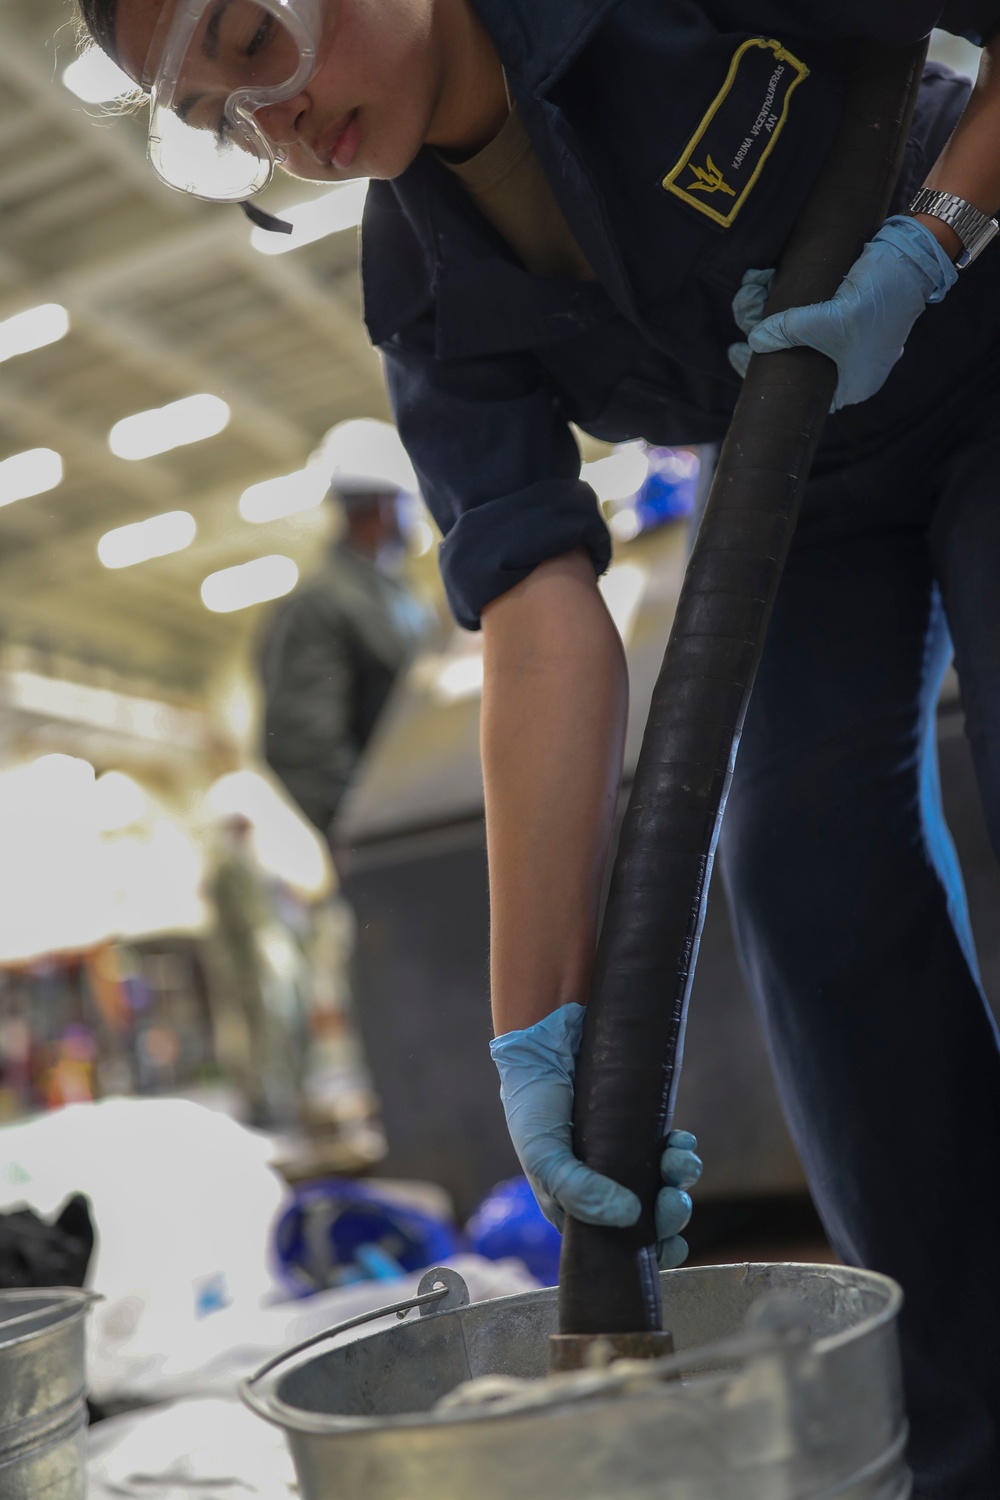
[[609, 1280]]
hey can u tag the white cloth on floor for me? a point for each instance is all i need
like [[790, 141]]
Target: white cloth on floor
[[193, 1450], [184, 1201], [209, 1445], [164, 1363]]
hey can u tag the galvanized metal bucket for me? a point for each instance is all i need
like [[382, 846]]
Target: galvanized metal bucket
[[785, 1386], [43, 1410]]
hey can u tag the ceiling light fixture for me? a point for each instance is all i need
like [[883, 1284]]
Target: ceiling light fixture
[[249, 583], [340, 208], [31, 473], [33, 329], [157, 536], [165, 427], [105, 709], [287, 495]]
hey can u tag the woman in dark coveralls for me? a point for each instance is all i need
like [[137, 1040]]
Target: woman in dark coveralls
[[574, 193]]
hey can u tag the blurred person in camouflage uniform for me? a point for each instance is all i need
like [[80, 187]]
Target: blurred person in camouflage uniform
[[329, 657], [334, 647]]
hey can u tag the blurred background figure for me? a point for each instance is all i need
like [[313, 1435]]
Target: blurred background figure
[[260, 990], [330, 654], [335, 646]]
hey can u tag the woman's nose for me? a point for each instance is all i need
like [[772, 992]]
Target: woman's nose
[[279, 121]]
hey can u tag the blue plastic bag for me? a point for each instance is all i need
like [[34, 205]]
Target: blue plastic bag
[[509, 1222], [338, 1231]]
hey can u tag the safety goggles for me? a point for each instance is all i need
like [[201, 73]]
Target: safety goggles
[[212, 66]]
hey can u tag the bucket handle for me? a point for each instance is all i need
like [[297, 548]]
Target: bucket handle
[[441, 1284]]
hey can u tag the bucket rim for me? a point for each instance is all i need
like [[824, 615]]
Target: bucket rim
[[68, 1304], [894, 1294], [269, 1405]]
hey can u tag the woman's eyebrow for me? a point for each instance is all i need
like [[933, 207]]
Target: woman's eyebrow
[[210, 43], [210, 49]]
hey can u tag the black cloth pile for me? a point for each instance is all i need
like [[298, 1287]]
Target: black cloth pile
[[34, 1253]]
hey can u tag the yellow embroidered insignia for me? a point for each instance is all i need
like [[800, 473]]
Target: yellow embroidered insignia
[[738, 130], [708, 179]]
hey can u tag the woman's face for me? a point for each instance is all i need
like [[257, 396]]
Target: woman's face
[[367, 109]]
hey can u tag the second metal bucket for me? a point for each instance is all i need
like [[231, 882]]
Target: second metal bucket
[[785, 1386], [43, 1414]]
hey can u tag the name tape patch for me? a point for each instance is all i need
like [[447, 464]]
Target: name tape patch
[[725, 156]]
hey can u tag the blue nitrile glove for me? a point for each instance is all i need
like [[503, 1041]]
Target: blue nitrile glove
[[537, 1068], [864, 326]]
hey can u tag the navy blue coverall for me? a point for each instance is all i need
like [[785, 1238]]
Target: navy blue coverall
[[681, 140]]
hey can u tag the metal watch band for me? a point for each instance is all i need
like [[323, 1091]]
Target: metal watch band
[[974, 229]]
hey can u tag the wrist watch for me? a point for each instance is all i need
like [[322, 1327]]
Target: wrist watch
[[973, 228]]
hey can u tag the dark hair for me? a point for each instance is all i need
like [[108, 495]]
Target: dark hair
[[99, 19]]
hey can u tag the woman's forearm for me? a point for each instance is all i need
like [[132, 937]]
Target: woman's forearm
[[969, 166], [555, 701]]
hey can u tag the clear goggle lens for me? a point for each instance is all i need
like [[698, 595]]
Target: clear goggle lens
[[223, 165], [221, 62]]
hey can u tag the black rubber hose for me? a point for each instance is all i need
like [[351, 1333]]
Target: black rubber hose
[[634, 1029]]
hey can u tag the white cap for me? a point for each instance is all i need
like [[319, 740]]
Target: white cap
[[365, 456]]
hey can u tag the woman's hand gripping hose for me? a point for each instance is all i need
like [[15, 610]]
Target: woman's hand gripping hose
[[865, 324], [537, 1068]]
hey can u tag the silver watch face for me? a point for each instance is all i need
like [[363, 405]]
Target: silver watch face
[[977, 244]]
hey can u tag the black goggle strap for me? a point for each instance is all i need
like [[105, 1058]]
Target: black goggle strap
[[264, 220]]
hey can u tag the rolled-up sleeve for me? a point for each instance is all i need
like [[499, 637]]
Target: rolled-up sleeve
[[498, 467]]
